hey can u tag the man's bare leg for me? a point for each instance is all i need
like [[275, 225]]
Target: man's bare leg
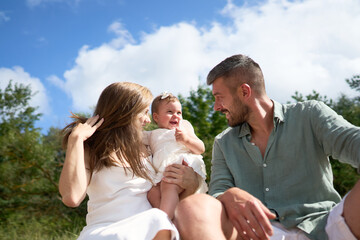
[[163, 235], [203, 217], [352, 210]]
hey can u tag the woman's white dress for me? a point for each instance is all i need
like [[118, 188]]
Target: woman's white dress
[[166, 151], [118, 208]]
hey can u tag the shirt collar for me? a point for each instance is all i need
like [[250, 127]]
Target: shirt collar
[[278, 112], [244, 129]]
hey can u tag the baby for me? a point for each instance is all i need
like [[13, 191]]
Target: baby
[[173, 142]]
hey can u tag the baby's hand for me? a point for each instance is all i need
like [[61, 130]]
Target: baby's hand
[[181, 136]]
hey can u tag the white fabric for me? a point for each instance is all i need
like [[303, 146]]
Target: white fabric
[[336, 227], [118, 208], [281, 233], [166, 151]]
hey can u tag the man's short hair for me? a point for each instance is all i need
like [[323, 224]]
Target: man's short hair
[[236, 70]]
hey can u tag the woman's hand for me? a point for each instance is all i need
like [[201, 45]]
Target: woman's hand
[[183, 176], [84, 130]]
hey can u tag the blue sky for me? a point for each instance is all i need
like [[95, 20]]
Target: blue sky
[[70, 50]]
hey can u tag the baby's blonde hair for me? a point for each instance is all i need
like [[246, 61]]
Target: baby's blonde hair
[[165, 96]]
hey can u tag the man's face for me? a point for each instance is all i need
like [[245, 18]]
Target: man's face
[[229, 103]]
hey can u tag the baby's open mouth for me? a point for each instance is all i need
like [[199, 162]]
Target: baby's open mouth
[[174, 122]]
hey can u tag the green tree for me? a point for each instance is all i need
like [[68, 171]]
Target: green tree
[[354, 83], [17, 135], [298, 97], [198, 108], [30, 164]]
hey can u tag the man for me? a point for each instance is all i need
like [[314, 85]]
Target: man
[[270, 170]]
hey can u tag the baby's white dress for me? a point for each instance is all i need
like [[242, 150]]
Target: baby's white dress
[[118, 208], [166, 151]]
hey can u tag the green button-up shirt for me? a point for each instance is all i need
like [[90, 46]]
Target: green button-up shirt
[[294, 178]]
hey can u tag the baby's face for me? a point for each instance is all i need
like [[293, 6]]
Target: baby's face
[[169, 115]]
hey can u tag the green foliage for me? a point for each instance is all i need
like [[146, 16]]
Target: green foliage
[[298, 97], [15, 113], [42, 227], [30, 165], [198, 109], [345, 176], [354, 82]]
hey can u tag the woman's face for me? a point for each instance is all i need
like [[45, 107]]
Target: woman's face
[[144, 117]]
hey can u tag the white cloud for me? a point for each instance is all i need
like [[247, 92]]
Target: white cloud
[[4, 17], [159, 63], [300, 45], [18, 75], [123, 35], [56, 81]]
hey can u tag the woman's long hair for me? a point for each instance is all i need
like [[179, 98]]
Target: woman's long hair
[[121, 132]]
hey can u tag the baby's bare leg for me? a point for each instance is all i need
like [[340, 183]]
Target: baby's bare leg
[[154, 196], [169, 198]]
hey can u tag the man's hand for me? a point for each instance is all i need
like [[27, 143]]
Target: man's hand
[[183, 176], [248, 215]]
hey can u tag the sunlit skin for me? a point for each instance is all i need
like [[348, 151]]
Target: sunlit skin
[[144, 117], [169, 115], [235, 111]]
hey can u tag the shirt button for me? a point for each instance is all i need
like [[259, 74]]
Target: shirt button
[[267, 189], [265, 165]]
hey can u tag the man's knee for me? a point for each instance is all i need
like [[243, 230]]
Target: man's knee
[[191, 206], [199, 215], [197, 208], [351, 210]]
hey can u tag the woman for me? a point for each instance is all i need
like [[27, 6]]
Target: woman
[[105, 158]]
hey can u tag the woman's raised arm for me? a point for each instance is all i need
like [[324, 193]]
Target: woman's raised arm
[[74, 177]]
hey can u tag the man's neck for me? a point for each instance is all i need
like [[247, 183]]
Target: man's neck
[[261, 117]]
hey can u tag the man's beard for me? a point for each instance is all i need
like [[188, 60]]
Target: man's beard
[[239, 113]]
